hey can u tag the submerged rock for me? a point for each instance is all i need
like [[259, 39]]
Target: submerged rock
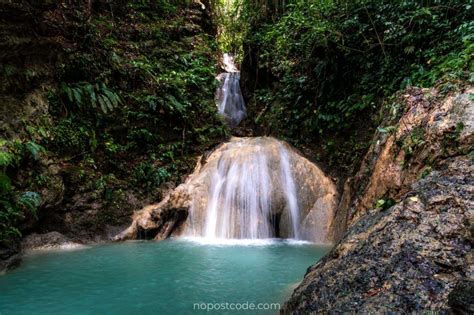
[[242, 178]]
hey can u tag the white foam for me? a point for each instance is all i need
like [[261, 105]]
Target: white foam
[[69, 246], [243, 242]]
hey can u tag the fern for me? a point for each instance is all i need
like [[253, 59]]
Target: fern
[[6, 158], [34, 149], [14, 208], [30, 200], [5, 183], [86, 95], [175, 105]]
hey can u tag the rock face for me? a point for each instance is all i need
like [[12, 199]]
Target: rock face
[[157, 221], [461, 299], [409, 213], [421, 129], [315, 194]]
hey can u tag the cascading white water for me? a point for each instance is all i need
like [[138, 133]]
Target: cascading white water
[[240, 190], [229, 64], [230, 102], [290, 189], [239, 198], [242, 185]]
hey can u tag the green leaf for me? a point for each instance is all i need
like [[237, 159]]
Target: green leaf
[[68, 92], [5, 183], [388, 129], [77, 96], [113, 97], [6, 158], [108, 103], [93, 97], [34, 149], [103, 104], [30, 200]]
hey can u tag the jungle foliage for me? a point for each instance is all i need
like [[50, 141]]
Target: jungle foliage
[[129, 89], [321, 69]]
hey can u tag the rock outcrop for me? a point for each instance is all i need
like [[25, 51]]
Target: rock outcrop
[[421, 129], [409, 214], [157, 221], [461, 299], [48, 241], [10, 256]]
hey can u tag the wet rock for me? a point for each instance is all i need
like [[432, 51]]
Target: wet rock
[[47, 241], [156, 221], [10, 256], [461, 299]]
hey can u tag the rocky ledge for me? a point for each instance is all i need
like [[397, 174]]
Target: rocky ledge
[[409, 214], [48, 241]]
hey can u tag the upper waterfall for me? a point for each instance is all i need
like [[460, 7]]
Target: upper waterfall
[[230, 102], [229, 64]]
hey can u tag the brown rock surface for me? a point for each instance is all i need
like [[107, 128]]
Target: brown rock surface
[[409, 257]]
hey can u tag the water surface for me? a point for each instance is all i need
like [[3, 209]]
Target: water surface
[[155, 277]]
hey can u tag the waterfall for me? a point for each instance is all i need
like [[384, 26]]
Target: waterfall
[[230, 102], [239, 204], [247, 188], [241, 185], [229, 64], [290, 189], [239, 198]]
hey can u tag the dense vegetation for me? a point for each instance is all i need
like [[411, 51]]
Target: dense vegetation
[[316, 72], [100, 98], [118, 93]]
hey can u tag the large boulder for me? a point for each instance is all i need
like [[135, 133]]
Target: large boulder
[[405, 258]]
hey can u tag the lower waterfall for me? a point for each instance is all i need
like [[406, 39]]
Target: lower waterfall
[[257, 188], [246, 188], [239, 201]]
